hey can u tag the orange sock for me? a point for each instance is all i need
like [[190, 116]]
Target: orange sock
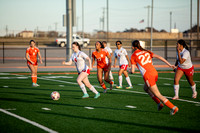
[[103, 86], [168, 104], [34, 79], [156, 99]]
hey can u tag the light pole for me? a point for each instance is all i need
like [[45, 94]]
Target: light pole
[[83, 18], [151, 25], [170, 22], [107, 21]]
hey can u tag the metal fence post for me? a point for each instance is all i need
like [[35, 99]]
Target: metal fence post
[[166, 49], [3, 53], [45, 59], [90, 52]]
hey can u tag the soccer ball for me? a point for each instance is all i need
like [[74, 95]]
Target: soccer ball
[[55, 95]]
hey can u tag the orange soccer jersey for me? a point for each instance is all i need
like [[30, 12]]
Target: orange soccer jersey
[[143, 60], [32, 54], [101, 58]]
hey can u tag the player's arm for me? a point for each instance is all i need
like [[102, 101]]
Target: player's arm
[[115, 61], [133, 68], [180, 59], [40, 57], [162, 59], [90, 64], [27, 57], [129, 63], [67, 63]]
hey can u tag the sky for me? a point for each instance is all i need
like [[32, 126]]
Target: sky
[[46, 15]]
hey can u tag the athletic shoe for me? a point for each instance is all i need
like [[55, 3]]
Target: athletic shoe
[[194, 95], [175, 98], [105, 90], [85, 96], [35, 85], [174, 110], [97, 95], [160, 106], [129, 87], [119, 87]]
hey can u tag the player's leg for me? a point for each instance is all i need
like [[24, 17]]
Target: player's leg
[[35, 73], [179, 73], [156, 92], [159, 104], [127, 79], [87, 83], [106, 78], [79, 80], [111, 76], [193, 85], [32, 69], [120, 78], [99, 77]]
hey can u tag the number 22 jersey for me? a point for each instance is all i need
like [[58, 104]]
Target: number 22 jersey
[[143, 60]]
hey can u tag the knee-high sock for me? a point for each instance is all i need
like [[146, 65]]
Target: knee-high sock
[[34, 79], [168, 104], [176, 90], [93, 90], [82, 86], [155, 99], [103, 86], [120, 80], [111, 76], [193, 88], [128, 81]]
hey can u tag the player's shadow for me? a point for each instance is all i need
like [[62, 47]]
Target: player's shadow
[[166, 128]]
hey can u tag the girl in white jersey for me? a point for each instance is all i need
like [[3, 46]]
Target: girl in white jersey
[[124, 62], [185, 67], [111, 54], [79, 57]]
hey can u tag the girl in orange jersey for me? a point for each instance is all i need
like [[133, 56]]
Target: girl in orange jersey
[[143, 60], [102, 67], [31, 56]]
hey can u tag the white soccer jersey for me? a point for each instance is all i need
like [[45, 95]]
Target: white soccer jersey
[[79, 60], [186, 55], [121, 55], [109, 51]]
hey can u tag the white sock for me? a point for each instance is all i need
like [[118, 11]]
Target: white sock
[[128, 81], [93, 90], [120, 80], [83, 88], [111, 76], [176, 90], [193, 88]]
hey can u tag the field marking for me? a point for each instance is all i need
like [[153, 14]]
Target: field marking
[[29, 121], [120, 90], [46, 109], [89, 107], [130, 106], [167, 84]]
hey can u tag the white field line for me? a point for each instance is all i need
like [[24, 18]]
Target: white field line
[[117, 89], [28, 121]]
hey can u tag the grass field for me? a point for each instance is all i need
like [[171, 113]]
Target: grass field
[[119, 110]]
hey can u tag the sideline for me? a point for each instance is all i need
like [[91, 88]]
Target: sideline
[[28, 121]]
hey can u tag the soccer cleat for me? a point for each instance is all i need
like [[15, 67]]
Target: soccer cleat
[[175, 98], [119, 87], [105, 90], [97, 95], [174, 110], [194, 95], [85, 96], [160, 106], [35, 85], [129, 87]]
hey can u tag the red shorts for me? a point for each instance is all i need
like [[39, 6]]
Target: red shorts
[[87, 71], [150, 79], [187, 72], [35, 63], [105, 68], [123, 67]]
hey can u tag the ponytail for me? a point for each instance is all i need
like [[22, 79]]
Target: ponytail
[[77, 44], [136, 44], [183, 43]]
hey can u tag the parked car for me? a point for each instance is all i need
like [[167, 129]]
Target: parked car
[[84, 42]]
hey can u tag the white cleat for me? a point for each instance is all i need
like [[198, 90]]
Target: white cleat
[[194, 95], [175, 98]]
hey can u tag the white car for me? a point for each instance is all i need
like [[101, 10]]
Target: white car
[[84, 42]]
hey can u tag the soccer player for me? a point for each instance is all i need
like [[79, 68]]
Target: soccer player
[[79, 57], [143, 60], [100, 55], [185, 67], [111, 54], [31, 56], [124, 62]]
